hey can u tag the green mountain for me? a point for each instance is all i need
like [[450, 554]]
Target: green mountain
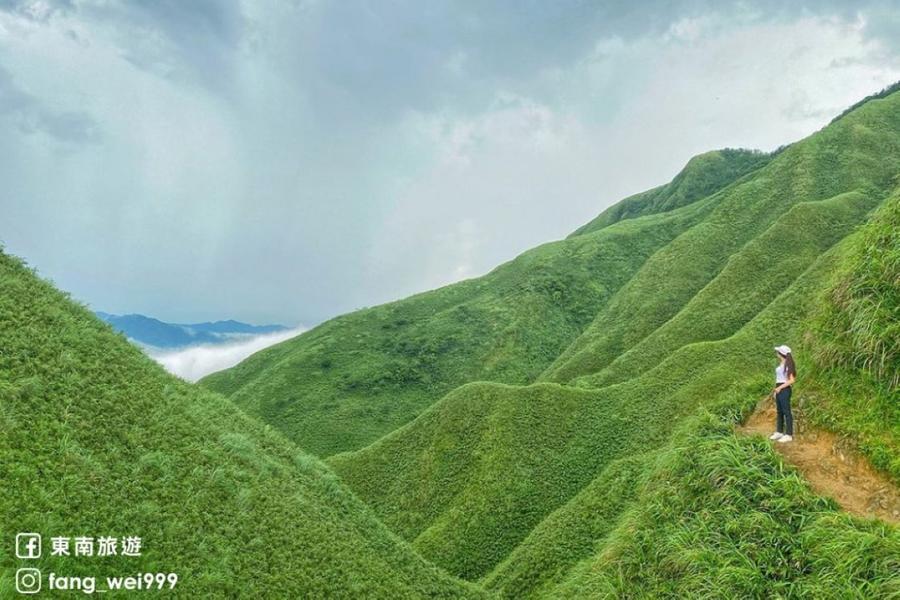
[[97, 440], [470, 478], [574, 436]]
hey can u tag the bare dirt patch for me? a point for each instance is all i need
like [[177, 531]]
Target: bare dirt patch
[[831, 465]]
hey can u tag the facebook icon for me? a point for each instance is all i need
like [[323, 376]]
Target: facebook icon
[[28, 545]]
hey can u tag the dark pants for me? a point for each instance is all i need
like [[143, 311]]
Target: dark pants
[[785, 421]]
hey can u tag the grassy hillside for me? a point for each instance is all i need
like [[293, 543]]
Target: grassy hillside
[[470, 478], [701, 177], [713, 515], [758, 272], [722, 517], [358, 377], [855, 338], [710, 515], [96, 440], [701, 514], [858, 324], [473, 477], [569, 535]]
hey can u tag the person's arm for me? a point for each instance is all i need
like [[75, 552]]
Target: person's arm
[[790, 381]]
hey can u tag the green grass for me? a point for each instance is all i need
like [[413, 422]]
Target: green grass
[[858, 325], [855, 337], [759, 271], [708, 515], [473, 475], [722, 517], [96, 439], [571, 533]]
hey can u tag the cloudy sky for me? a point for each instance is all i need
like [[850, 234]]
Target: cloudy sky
[[286, 161]]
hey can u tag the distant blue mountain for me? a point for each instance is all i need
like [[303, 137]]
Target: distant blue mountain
[[232, 326], [153, 332]]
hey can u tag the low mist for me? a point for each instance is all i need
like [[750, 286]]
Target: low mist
[[198, 361]]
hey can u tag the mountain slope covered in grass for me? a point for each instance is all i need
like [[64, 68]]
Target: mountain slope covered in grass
[[856, 154], [97, 440], [758, 272], [690, 333], [721, 516], [570, 309], [470, 478], [855, 339]]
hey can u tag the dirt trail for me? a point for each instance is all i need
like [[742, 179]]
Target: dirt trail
[[831, 466]]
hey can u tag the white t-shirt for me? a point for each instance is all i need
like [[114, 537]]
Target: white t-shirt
[[781, 373]]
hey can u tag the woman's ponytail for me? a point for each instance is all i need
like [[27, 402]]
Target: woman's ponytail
[[790, 368]]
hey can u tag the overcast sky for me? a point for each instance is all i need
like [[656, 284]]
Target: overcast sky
[[286, 161]]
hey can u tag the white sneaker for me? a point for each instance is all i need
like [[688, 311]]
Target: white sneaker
[[776, 436], [785, 438]]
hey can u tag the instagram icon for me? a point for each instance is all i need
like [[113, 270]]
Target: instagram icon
[[28, 581]]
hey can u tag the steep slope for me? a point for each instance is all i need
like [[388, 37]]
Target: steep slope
[[97, 440], [722, 517], [759, 271], [832, 467], [855, 338], [469, 479], [608, 287], [355, 378], [703, 176], [710, 515], [570, 534]]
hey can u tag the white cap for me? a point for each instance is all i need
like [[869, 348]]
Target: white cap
[[782, 349]]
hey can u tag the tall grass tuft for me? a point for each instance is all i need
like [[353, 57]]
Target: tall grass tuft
[[859, 321]]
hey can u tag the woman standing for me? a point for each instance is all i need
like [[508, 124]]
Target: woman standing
[[785, 375]]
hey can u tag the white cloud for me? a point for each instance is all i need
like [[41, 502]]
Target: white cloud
[[198, 361]]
